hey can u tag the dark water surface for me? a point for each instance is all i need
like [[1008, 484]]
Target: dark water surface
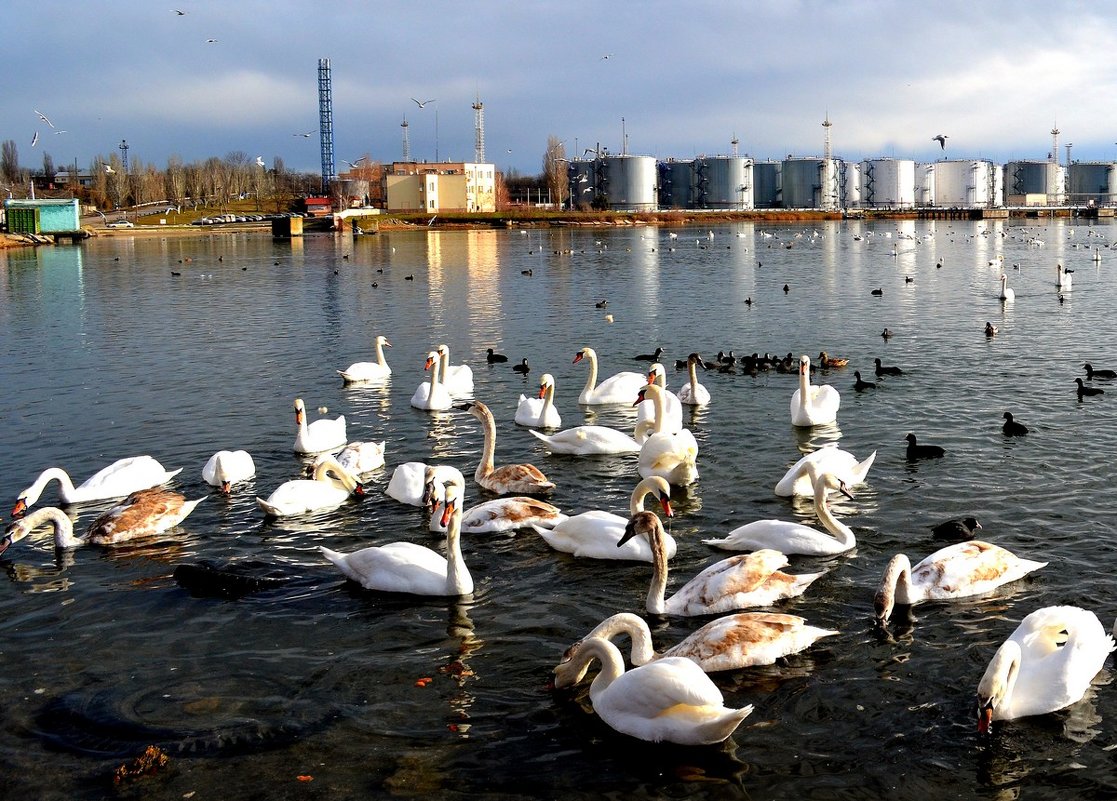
[[105, 354]]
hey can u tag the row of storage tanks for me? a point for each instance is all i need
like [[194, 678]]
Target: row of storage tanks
[[642, 183]]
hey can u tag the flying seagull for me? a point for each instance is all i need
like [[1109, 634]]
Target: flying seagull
[[109, 170], [941, 139], [43, 117], [35, 139], [307, 134], [607, 55], [260, 161], [210, 41], [180, 13], [423, 103]]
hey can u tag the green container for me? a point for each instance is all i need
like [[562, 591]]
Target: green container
[[23, 220]]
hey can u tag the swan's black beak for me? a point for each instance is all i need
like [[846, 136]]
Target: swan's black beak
[[842, 488]]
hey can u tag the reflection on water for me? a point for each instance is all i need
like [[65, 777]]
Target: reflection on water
[[104, 354]]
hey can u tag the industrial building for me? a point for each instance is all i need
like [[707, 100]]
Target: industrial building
[[442, 187]]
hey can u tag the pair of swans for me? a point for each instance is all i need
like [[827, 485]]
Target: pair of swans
[[540, 411], [961, 570], [739, 582], [670, 455], [730, 642], [119, 479], [366, 372], [432, 395], [795, 538], [331, 486], [520, 479], [321, 435], [646, 415], [813, 405], [1045, 665], [619, 388], [410, 482], [668, 700], [410, 568], [144, 513], [494, 516], [595, 534], [828, 459], [226, 468]]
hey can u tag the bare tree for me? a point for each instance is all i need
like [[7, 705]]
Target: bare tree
[[174, 181], [555, 170], [9, 161]]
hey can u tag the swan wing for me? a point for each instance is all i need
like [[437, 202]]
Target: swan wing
[[780, 535], [143, 513], [589, 440], [302, 496], [746, 639], [967, 568], [123, 477], [506, 514], [395, 567]]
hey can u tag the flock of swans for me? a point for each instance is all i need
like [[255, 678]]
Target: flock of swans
[[1045, 665]]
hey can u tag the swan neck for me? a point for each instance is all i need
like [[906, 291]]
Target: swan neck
[[656, 603], [637, 631], [804, 384], [65, 490], [488, 425], [612, 664], [660, 406], [591, 379], [548, 402], [380, 353], [840, 530], [458, 579], [692, 374], [63, 526], [896, 585]]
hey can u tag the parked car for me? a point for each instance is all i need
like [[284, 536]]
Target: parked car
[[120, 224]]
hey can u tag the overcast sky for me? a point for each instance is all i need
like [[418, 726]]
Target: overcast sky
[[680, 78]]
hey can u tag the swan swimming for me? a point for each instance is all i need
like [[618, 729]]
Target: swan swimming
[[829, 459], [693, 393], [595, 534], [672, 456], [365, 372], [619, 388], [226, 468], [117, 480], [331, 486], [672, 407], [813, 405], [521, 479], [540, 411], [1046, 664], [1007, 292], [431, 395], [319, 436], [668, 700]]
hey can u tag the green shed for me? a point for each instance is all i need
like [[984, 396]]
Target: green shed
[[43, 216]]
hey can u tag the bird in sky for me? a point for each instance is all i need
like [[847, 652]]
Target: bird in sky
[[43, 117], [109, 170], [423, 103], [941, 139], [260, 161], [61, 132], [307, 134], [210, 41], [606, 56], [180, 13], [35, 139]]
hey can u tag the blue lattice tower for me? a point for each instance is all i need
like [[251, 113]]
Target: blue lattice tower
[[326, 122]]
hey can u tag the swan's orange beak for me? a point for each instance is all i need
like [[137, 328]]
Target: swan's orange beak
[[226, 487], [984, 719], [19, 508], [651, 376], [577, 357], [450, 505], [639, 398], [360, 490], [542, 390], [665, 502], [430, 361]]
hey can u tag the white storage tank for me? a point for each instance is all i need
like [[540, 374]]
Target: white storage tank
[[925, 189], [676, 184], [628, 183], [888, 183], [965, 183], [723, 182], [766, 184], [851, 185]]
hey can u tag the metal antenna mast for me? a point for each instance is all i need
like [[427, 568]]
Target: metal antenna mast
[[827, 166], [326, 122], [479, 131], [406, 141]]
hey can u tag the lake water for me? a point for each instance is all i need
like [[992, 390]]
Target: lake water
[[106, 353]]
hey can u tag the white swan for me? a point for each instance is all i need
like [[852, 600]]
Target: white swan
[[731, 642], [589, 441], [960, 570], [362, 458], [672, 407], [364, 372], [457, 378], [540, 411], [121, 478], [829, 459], [739, 582], [595, 534], [693, 393], [431, 395], [331, 486], [409, 481], [1063, 278], [619, 388], [813, 405], [521, 479], [668, 700], [671, 456], [319, 436], [226, 468], [1007, 292], [795, 538], [144, 513], [411, 568], [1045, 665]]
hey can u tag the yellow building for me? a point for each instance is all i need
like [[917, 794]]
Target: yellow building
[[433, 188]]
